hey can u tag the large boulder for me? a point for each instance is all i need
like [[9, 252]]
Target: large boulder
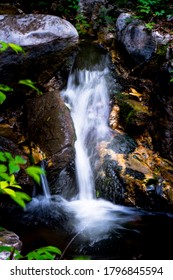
[[50, 126], [48, 42], [137, 40]]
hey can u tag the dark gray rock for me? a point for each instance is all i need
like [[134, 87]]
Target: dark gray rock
[[136, 38], [50, 126], [48, 41]]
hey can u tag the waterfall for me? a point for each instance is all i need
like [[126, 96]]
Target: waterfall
[[87, 97], [44, 183]]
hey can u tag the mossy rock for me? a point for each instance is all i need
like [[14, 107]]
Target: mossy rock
[[134, 115]]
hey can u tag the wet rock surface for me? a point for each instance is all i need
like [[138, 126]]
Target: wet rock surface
[[48, 42], [50, 126], [136, 39]]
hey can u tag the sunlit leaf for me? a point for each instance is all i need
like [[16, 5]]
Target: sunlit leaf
[[13, 168], [4, 176], [10, 192], [5, 88], [3, 168], [3, 46], [3, 185], [2, 157], [8, 155], [2, 97], [30, 84], [16, 48], [35, 172], [19, 160], [20, 198]]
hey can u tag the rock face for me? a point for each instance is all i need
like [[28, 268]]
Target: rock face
[[8, 238], [47, 40], [136, 39], [35, 29], [134, 175], [50, 126]]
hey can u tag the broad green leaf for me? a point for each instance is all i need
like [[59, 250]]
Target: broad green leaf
[[20, 198], [53, 249], [30, 84], [35, 172], [16, 48], [2, 157], [3, 185], [6, 248], [2, 97], [8, 155], [13, 168], [20, 160], [5, 88], [10, 192], [12, 182], [4, 176], [3, 168], [3, 46]]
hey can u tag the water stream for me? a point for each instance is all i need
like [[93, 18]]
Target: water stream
[[87, 98]]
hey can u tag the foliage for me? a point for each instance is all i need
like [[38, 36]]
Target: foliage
[[14, 253], [30, 84], [104, 18], [150, 25], [9, 166], [156, 8], [35, 172], [4, 88], [81, 24], [44, 253], [16, 48]]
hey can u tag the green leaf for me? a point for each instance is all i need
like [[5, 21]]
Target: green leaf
[[2, 157], [6, 248], [35, 172], [13, 168], [3, 168], [5, 88], [8, 155], [10, 192], [44, 253], [2, 97], [16, 254], [20, 160], [53, 249], [16, 48], [4, 176], [30, 84], [3, 185], [20, 198], [3, 47]]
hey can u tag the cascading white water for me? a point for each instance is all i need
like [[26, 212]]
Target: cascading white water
[[87, 97]]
